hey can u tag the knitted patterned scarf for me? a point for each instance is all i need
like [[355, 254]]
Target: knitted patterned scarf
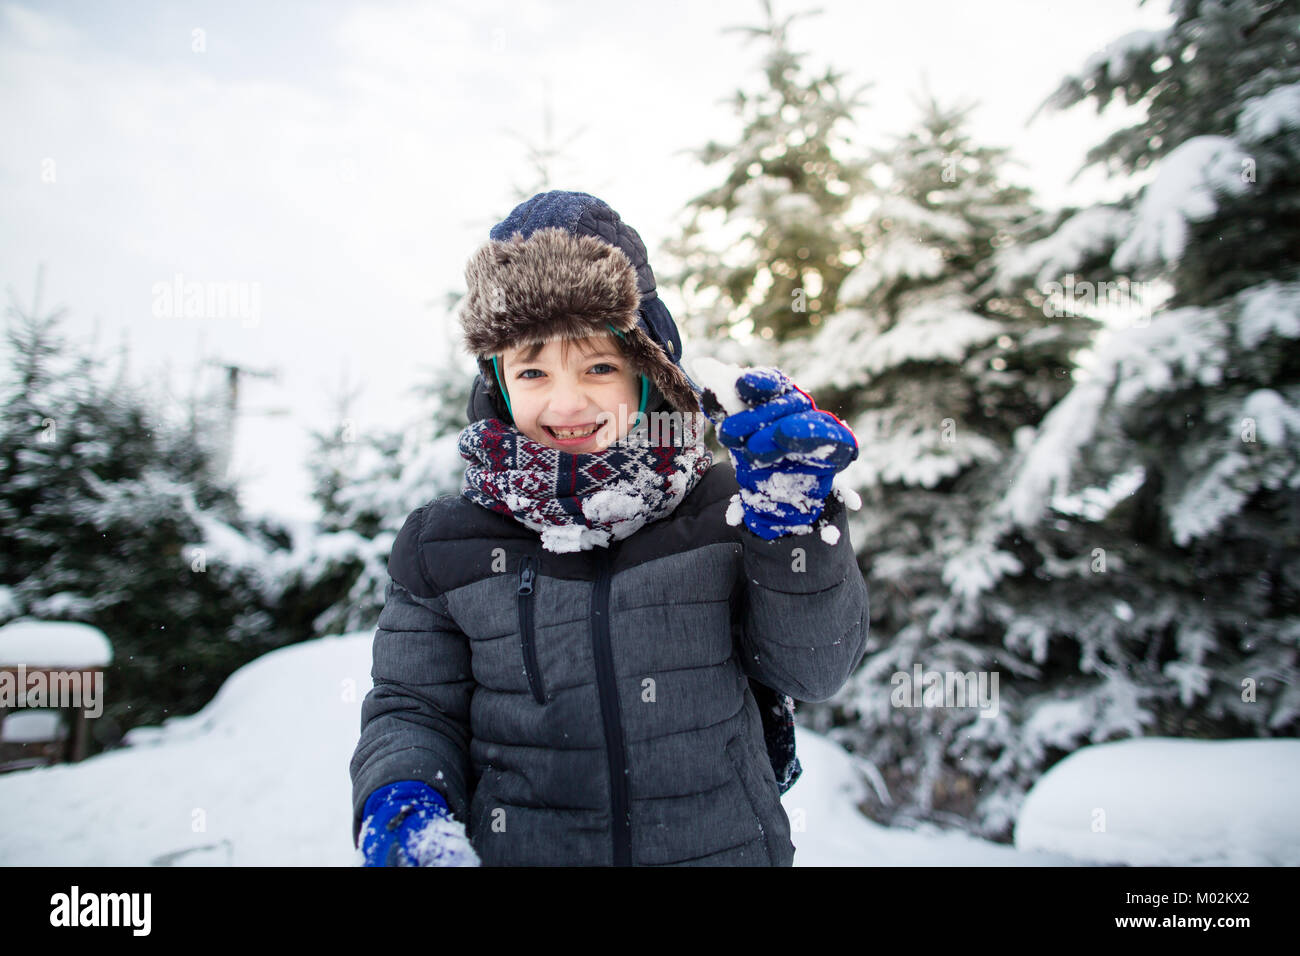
[[585, 500]]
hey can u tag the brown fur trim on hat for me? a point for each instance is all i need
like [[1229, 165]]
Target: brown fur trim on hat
[[552, 285]]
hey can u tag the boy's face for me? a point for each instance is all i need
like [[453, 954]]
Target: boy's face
[[585, 383]]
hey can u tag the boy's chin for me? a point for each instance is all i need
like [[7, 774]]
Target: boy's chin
[[591, 448]]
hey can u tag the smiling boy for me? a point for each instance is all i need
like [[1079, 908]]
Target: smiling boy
[[582, 660]]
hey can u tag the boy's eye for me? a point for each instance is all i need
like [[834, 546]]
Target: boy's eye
[[524, 373]]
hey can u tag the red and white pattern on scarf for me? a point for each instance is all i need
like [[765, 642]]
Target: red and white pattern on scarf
[[585, 500]]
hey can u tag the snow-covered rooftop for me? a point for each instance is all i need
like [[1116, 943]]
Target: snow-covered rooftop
[[53, 644]]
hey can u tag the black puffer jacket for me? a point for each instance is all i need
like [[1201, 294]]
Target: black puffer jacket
[[594, 708]]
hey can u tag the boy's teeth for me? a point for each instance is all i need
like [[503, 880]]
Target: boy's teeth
[[573, 432]]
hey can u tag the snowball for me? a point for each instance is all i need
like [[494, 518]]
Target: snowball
[[735, 512], [443, 842], [563, 539], [720, 379], [852, 500]]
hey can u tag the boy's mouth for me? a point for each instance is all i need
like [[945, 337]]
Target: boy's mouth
[[576, 433]]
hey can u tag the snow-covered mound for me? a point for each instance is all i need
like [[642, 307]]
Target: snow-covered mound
[[1160, 801], [260, 777], [823, 802]]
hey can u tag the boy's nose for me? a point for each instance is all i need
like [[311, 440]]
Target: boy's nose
[[568, 399]]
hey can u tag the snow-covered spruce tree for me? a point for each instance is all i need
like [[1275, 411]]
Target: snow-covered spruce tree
[[367, 479], [444, 392], [764, 252], [1144, 556], [936, 374], [111, 516]]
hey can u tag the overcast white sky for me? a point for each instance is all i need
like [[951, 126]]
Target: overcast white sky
[[346, 158]]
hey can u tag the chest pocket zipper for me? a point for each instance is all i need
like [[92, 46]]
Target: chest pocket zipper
[[527, 639]]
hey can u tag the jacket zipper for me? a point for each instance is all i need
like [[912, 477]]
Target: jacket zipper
[[525, 592], [621, 824]]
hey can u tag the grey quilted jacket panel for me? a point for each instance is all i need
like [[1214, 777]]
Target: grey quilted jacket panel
[[594, 708]]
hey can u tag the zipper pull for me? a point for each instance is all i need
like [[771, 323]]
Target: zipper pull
[[525, 580]]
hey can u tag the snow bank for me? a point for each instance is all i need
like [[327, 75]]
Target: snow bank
[[259, 777], [827, 829], [1158, 801]]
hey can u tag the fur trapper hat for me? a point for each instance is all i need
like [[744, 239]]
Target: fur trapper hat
[[564, 265]]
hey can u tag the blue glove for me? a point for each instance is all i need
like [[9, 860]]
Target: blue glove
[[786, 450], [408, 823]]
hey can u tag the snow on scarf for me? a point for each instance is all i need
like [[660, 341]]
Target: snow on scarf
[[585, 500]]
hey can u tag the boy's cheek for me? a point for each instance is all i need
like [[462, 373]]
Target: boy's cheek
[[607, 426]]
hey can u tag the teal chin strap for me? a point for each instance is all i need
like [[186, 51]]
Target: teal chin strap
[[645, 382], [501, 386]]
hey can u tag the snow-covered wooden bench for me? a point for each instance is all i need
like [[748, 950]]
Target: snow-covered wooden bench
[[51, 686]]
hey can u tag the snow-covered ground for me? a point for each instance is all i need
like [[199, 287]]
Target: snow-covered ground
[[1170, 802], [260, 777]]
